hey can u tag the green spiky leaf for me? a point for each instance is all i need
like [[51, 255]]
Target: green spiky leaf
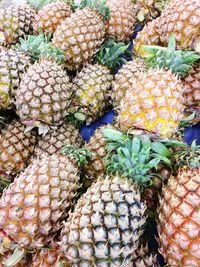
[[113, 54], [178, 61]]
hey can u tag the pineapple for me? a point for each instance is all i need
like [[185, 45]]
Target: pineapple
[[50, 16], [181, 18], [92, 84], [122, 81], [143, 258], [54, 140], [15, 21], [178, 222], [192, 87], [155, 103], [122, 19], [106, 224], [44, 94], [34, 205], [81, 35], [12, 65], [16, 148]]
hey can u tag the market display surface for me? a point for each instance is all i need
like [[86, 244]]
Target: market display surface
[[100, 133]]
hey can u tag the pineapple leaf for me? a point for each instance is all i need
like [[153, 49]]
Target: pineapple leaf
[[161, 149], [98, 5], [80, 155], [113, 54], [178, 61], [114, 135], [14, 258]]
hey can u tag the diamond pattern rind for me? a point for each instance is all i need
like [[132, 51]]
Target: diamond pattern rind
[[16, 147], [80, 36], [105, 226], [179, 220], [50, 16], [15, 22], [154, 103], [122, 19], [44, 94], [33, 206]]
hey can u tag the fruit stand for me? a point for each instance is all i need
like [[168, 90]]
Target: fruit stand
[[99, 133]]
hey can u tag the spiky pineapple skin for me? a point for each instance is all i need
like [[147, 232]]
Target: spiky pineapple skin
[[122, 19], [80, 36], [15, 22], [54, 140], [105, 226], [12, 66], [192, 87], [154, 103], [16, 148], [122, 81], [50, 16], [181, 18], [33, 206], [91, 90], [178, 221], [44, 94]]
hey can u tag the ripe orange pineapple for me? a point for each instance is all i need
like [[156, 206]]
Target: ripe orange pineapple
[[50, 16], [122, 19], [155, 103], [81, 35], [16, 148], [34, 205], [15, 22]]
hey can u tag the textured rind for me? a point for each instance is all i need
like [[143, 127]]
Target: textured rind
[[179, 221], [16, 148], [91, 89], [50, 16], [80, 36], [122, 19], [122, 81], [192, 87], [54, 140], [12, 65], [182, 18], [15, 22], [44, 94], [155, 103], [33, 206], [105, 226]]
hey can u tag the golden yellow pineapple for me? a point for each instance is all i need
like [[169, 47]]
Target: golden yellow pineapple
[[15, 22], [54, 140], [50, 16], [181, 18], [81, 35], [122, 81], [16, 148], [192, 87], [105, 225], [122, 19], [154, 103], [34, 205], [179, 222], [44, 94], [12, 66]]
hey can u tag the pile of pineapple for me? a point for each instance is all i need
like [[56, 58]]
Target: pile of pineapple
[[66, 202]]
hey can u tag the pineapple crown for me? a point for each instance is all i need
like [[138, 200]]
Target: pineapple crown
[[38, 4], [80, 155], [40, 46], [178, 61], [135, 157], [98, 5], [188, 156], [113, 54]]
